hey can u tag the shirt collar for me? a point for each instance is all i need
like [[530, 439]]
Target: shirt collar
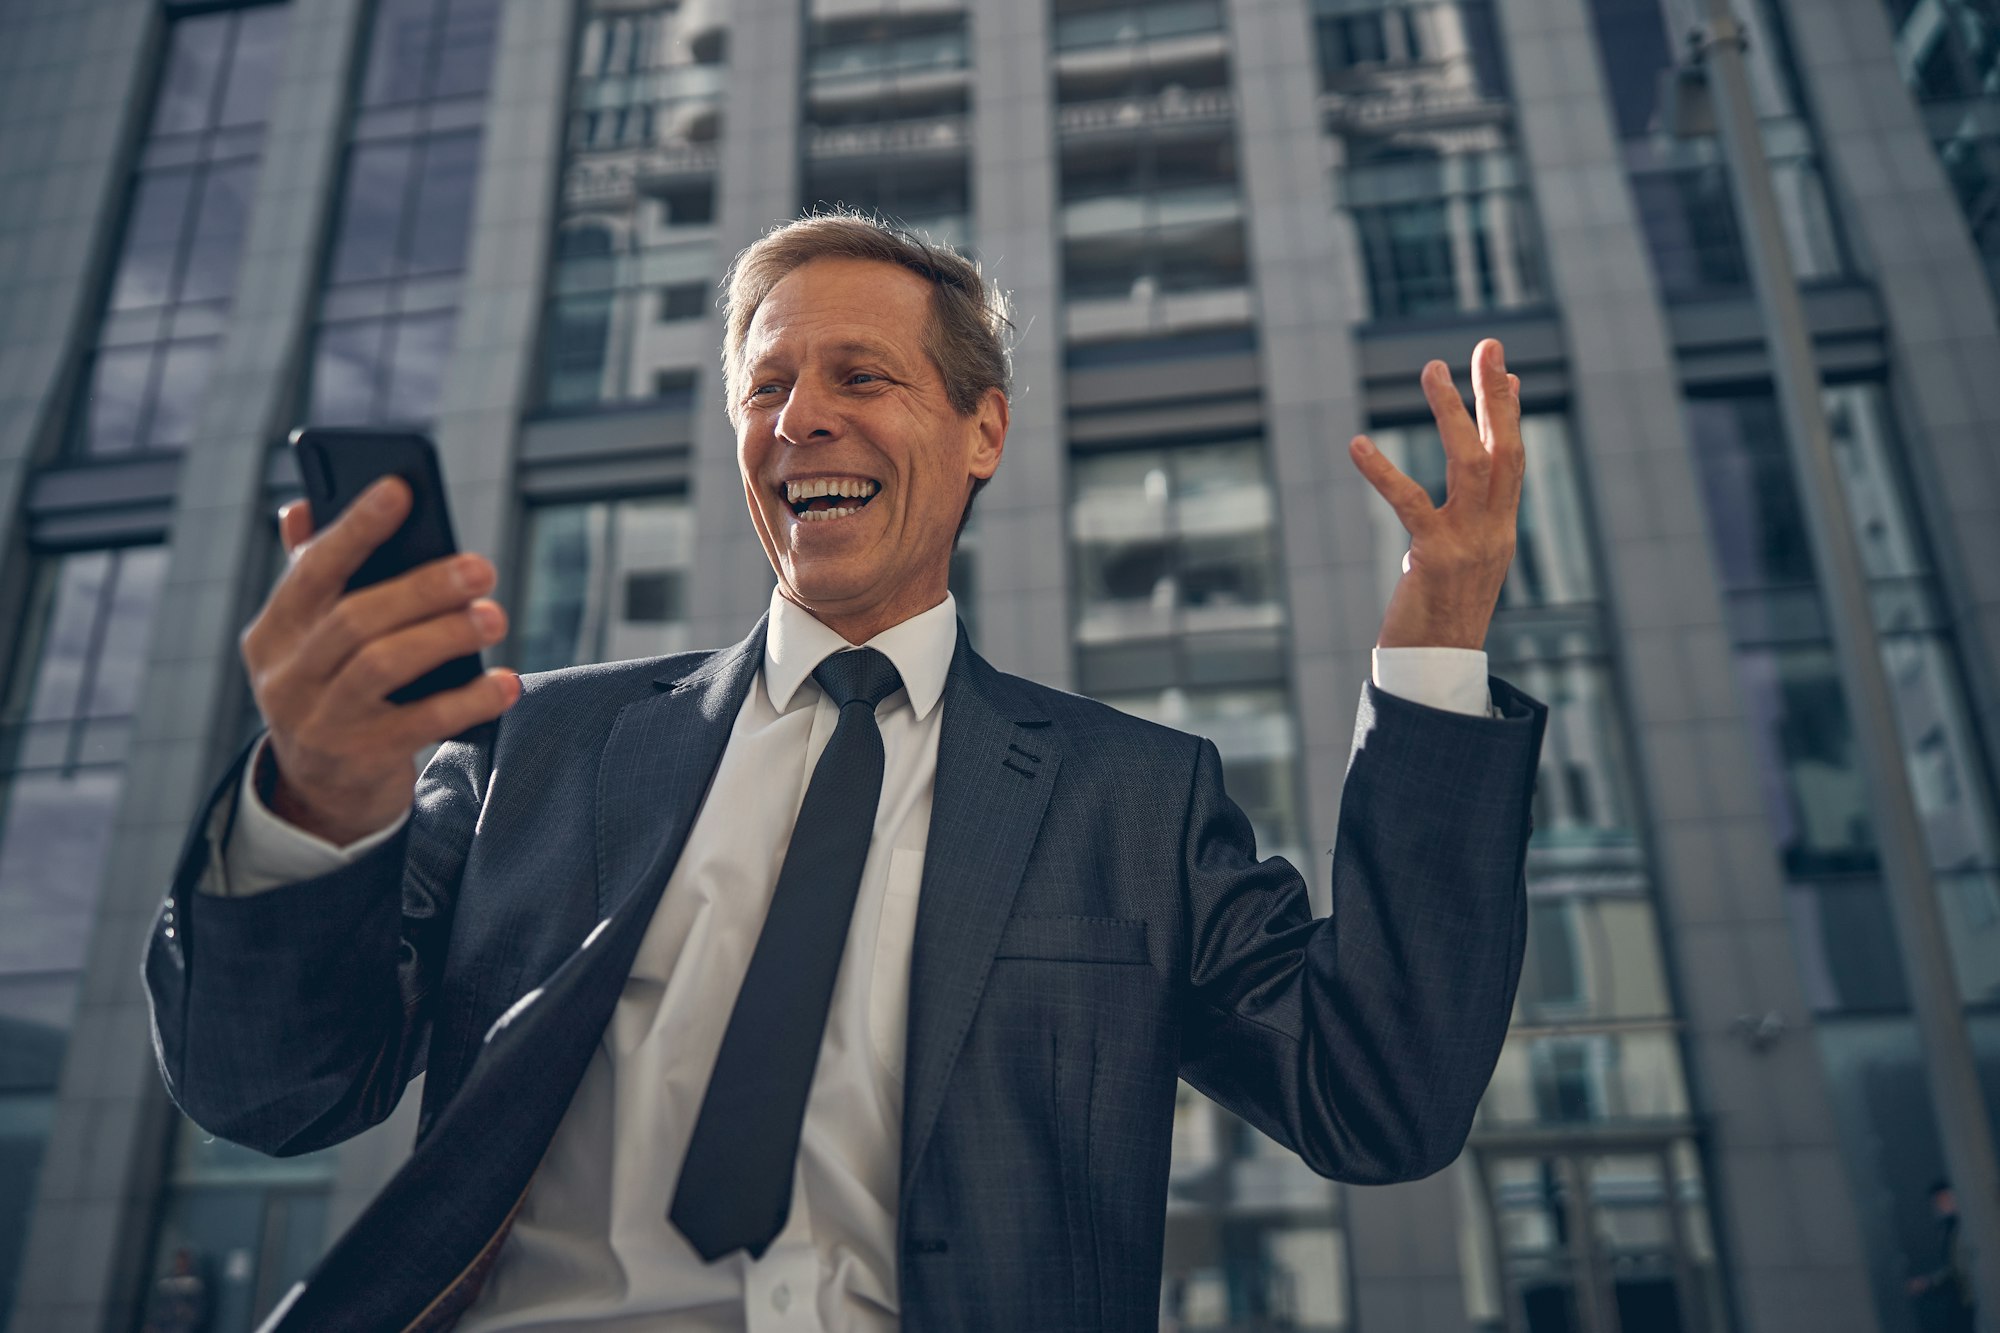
[[920, 649]]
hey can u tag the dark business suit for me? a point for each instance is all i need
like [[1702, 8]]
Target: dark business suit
[[1092, 924]]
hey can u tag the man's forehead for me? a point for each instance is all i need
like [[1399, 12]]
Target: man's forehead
[[851, 304]]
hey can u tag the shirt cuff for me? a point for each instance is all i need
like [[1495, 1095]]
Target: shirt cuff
[[1451, 679], [264, 851]]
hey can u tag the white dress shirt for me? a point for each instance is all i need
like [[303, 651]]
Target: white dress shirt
[[592, 1246]]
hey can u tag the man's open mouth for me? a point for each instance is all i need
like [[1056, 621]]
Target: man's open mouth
[[830, 497]]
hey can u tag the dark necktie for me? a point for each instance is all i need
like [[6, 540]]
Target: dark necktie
[[736, 1181]]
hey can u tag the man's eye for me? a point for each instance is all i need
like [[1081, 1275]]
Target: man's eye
[[763, 389], [860, 375]]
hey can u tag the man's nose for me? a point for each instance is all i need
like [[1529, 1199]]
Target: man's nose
[[809, 414]]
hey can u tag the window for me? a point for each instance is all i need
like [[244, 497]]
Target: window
[[606, 580], [1681, 186], [1949, 52], [1081, 27], [635, 222], [1174, 541], [1444, 223], [885, 131], [185, 224], [1142, 217], [1372, 47], [389, 310], [65, 730]]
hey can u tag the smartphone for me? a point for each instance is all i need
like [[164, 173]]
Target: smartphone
[[336, 464]]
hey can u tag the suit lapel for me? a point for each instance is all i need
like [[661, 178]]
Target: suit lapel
[[656, 768], [997, 762]]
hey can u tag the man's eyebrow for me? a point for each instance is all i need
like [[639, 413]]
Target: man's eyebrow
[[845, 349]]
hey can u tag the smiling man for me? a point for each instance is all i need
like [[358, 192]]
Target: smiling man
[[833, 980]]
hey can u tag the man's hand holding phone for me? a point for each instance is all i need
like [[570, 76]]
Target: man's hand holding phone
[[321, 661]]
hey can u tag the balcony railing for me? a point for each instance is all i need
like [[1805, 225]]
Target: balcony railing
[[933, 134], [1172, 107]]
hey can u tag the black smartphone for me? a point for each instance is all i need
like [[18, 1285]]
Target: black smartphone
[[336, 464]]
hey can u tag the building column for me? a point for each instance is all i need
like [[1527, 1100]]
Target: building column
[[490, 383], [101, 1174], [66, 79], [757, 189], [1787, 1232], [1307, 266], [1911, 241], [1022, 517]]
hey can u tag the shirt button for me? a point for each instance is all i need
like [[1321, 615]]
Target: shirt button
[[781, 1297]]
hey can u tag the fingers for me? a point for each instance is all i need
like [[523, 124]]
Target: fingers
[[294, 525], [393, 660], [1410, 501], [361, 617], [330, 557], [1498, 397], [1455, 427], [448, 712]]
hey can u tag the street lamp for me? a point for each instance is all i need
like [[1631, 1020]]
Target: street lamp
[[1712, 94]]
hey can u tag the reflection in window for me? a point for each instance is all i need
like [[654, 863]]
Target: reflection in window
[[1443, 221], [1173, 541], [1429, 49], [389, 312], [1680, 184], [185, 224], [1949, 52], [606, 581], [65, 730], [885, 103], [1552, 562], [245, 1225], [635, 222], [1148, 170]]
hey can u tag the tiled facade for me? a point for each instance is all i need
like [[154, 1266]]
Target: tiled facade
[[1234, 231]]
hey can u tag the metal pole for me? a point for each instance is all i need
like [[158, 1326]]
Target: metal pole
[[1906, 870]]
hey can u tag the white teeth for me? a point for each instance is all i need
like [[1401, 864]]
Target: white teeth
[[816, 514], [856, 487]]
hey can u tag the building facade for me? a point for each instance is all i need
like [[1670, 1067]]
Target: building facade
[[1234, 231]]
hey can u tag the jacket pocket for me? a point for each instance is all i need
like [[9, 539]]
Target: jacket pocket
[[1074, 939]]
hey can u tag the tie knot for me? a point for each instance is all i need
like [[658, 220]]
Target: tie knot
[[861, 676]]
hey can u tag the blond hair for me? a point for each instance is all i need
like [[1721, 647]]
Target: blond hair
[[967, 338]]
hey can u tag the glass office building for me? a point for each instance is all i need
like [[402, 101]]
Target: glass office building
[[1235, 231]]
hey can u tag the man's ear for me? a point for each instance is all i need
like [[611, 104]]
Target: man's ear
[[991, 418]]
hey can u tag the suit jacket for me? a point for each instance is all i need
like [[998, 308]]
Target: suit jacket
[[1093, 923]]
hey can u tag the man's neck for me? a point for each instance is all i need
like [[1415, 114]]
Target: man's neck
[[858, 627]]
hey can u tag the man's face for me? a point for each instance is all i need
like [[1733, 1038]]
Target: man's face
[[838, 394]]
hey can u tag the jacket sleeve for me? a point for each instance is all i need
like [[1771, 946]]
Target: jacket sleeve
[[292, 1019], [1364, 1040]]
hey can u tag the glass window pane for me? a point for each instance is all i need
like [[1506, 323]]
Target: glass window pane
[[54, 831], [348, 373], [444, 204], [1754, 519], [195, 49], [399, 51], [368, 239], [417, 358], [184, 375], [51, 685], [606, 581], [117, 399], [121, 659], [255, 64], [221, 220], [1811, 774], [152, 241], [465, 48]]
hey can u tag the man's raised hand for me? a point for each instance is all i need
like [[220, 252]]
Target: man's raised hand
[[1460, 550], [321, 661]]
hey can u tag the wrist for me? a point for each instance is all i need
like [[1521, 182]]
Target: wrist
[[323, 820]]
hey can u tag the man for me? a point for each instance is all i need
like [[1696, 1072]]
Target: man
[[807, 985], [1944, 1294]]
